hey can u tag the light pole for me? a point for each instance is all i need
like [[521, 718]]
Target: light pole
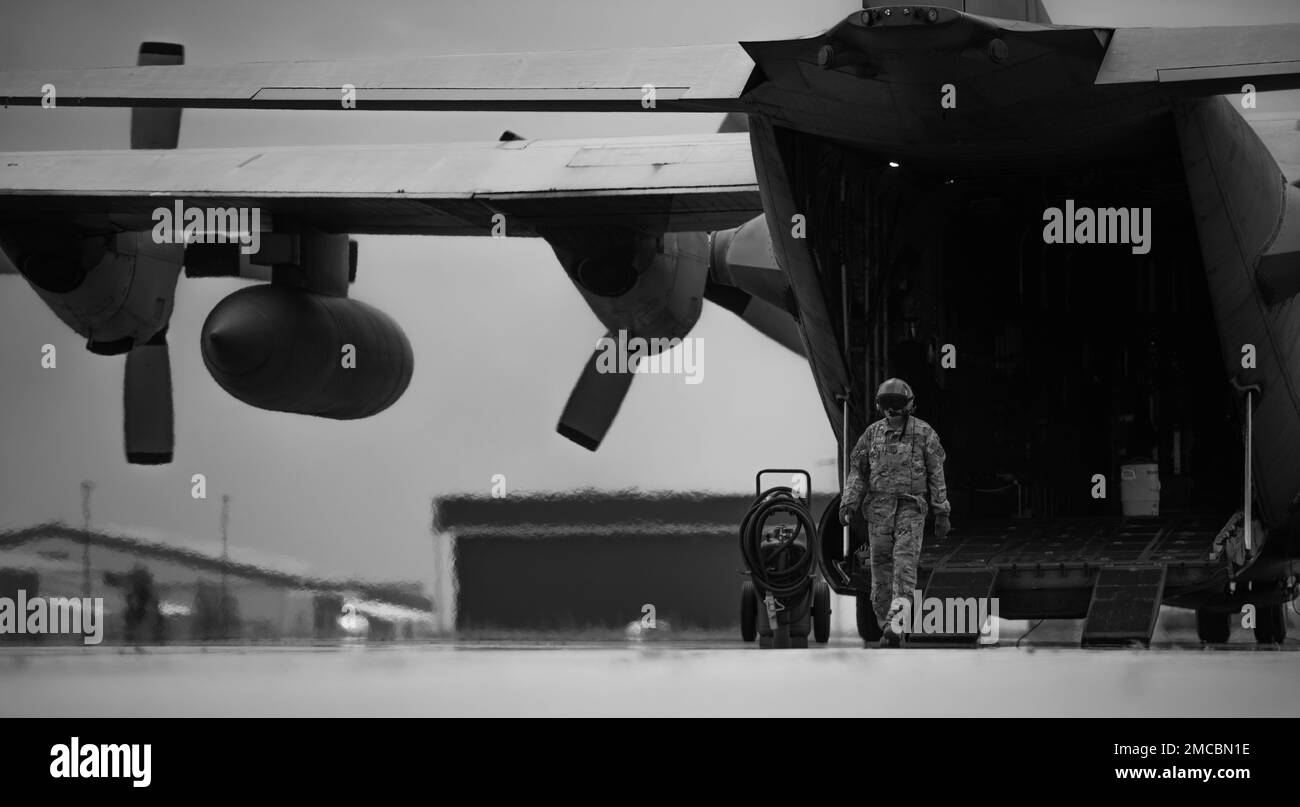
[[86, 487], [225, 561]]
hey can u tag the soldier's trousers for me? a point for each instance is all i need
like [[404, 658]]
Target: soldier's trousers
[[895, 528]]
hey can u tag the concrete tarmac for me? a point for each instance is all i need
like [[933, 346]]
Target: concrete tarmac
[[651, 678]]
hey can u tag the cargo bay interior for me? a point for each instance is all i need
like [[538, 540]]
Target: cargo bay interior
[[1064, 361]]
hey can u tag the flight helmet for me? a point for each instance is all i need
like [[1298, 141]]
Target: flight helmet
[[895, 397]]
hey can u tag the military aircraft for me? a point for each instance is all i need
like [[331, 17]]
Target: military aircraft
[[1069, 239]]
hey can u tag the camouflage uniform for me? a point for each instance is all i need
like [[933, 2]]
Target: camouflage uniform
[[897, 468]]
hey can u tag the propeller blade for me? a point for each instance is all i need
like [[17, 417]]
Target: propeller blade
[[147, 384], [147, 403], [157, 128], [594, 402]]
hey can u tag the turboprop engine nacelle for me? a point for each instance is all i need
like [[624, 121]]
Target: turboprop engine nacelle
[[646, 290]]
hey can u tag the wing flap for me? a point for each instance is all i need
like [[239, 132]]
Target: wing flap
[[677, 183], [694, 78]]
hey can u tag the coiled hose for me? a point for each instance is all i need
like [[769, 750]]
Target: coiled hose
[[780, 582]]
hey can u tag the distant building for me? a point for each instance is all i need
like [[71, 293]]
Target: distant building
[[154, 591], [590, 560]]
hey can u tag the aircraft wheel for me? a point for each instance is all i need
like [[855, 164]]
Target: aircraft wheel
[[1270, 624], [821, 611], [868, 627], [1213, 627], [748, 612]]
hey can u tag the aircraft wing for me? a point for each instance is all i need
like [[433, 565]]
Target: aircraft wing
[[666, 184], [694, 78], [1205, 61]]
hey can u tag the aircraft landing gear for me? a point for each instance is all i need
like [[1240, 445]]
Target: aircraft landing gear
[[1213, 627], [1270, 623]]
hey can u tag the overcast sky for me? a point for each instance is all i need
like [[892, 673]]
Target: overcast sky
[[499, 333]]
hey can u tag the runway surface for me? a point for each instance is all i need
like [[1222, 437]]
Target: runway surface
[[707, 678]]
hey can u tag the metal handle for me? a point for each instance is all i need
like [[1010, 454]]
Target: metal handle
[[758, 480]]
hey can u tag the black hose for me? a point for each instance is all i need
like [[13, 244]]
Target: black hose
[[831, 547], [786, 582]]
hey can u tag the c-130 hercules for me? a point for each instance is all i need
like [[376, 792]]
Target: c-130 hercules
[[875, 201]]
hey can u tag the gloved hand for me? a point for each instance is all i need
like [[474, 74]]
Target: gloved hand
[[941, 526], [845, 514]]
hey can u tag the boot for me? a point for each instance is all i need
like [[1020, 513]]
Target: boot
[[890, 637]]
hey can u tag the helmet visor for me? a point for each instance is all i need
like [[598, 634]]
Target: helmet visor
[[892, 401]]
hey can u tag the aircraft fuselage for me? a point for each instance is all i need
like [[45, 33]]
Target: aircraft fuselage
[[926, 119]]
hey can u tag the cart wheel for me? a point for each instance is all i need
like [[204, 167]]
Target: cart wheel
[[821, 612], [748, 612], [868, 627]]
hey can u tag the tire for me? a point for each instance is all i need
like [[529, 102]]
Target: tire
[[1213, 627], [748, 612], [868, 627], [821, 611], [1270, 624]]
